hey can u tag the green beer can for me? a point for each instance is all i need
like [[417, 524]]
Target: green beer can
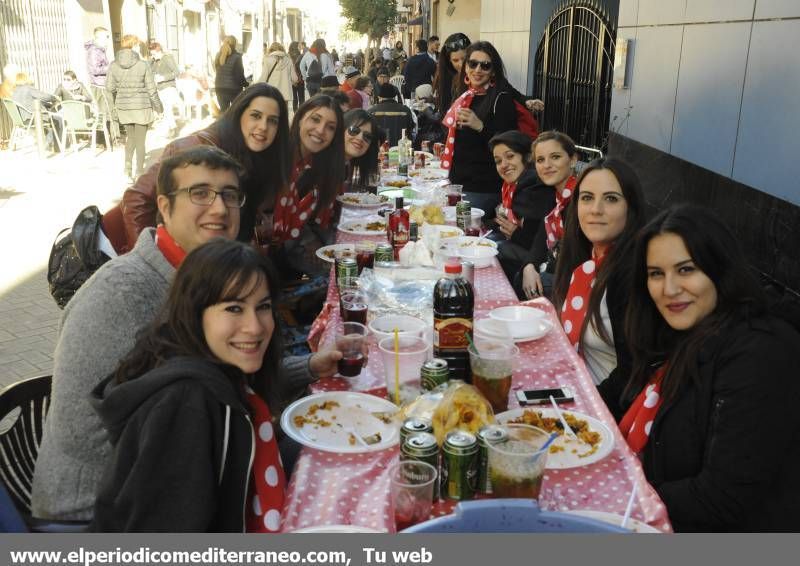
[[433, 373], [488, 434], [422, 446], [459, 465], [384, 252]]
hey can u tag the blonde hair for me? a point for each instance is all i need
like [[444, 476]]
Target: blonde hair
[[129, 42], [276, 47], [225, 51], [22, 78]]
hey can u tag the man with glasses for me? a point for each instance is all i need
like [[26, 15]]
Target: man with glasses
[[199, 198]]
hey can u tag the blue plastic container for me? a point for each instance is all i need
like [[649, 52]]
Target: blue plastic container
[[510, 516]]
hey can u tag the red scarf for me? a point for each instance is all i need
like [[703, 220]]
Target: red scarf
[[554, 221], [268, 482], [508, 197], [292, 211], [574, 310], [635, 425], [172, 251], [450, 121]]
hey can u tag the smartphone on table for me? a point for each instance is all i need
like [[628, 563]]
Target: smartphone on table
[[562, 394]]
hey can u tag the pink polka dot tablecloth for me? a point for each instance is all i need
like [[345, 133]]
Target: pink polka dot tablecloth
[[335, 489]]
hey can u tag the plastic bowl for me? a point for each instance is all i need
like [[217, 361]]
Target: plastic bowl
[[383, 326], [479, 251], [450, 213], [433, 234], [519, 320]]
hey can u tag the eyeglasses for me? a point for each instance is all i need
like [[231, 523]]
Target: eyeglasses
[[355, 130], [457, 44], [485, 65], [205, 196]]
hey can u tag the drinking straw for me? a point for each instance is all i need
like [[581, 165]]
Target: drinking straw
[[629, 508], [471, 343], [396, 367]]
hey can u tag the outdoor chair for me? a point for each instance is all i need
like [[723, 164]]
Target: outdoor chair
[[393, 123], [79, 118], [398, 81], [22, 120], [585, 156]]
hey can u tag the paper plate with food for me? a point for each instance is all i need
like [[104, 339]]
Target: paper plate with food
[[369, 226], [594, 440], [328, 253], [362, 200], [344, 422]]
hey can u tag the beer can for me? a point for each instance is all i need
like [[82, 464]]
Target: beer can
[[462, 207], [422, 447], [437, 149], [413, 426], [488, 434], [384, 252], [459, 465], [413, 231], [468, 272], [346, 267], [433, 373], [425, 145], [419, 161]]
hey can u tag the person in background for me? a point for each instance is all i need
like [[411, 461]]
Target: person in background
[[351, 75], [592, 282], [334, 56], [398, 59], [451, 58], [298, 87], [392, 116], [433, 48], [524, 199], [229, 80], [255, 131], [331, 87], [429, 127], [72, 89], [136, 101], [419, 70], [315, 65], [555, 157], [97, 65], [165, 71], [363, 87], [358, 60], [278, 71], [361, 144], [24, 94], [710, 402]]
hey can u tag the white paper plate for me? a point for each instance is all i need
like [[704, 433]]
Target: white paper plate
[[495, 329], [334, 248], [613, 519], [338, 529], [359, 227], [354, 410], [570, 457], [346, 200]]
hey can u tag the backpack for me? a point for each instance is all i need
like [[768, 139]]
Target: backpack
[[74, 256], [315, 71], [526, 122]]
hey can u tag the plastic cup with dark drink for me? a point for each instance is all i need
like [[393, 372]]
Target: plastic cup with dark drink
[[351, 342], [454, 194], [353, 305], [471, 223], [517, 464], [365, 255], [492, 367], [412, 483]]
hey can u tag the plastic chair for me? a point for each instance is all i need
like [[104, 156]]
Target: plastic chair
[[22, 127], [79, 119], [398, 81]]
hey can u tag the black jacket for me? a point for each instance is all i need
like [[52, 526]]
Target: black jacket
[[230, 76], [393, 117], [725, 455], [183, 449], [419, 70], [533, 200], [473, 164]]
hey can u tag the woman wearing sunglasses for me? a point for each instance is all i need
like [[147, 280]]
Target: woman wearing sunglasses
[[360, 143], [451, 58], [483, 110]]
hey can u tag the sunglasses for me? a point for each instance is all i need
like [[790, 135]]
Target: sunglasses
[[457, 44], [485, 65], [355, 130]]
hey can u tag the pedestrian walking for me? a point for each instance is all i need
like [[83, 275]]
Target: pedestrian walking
[[278, 70], [298, 87], [230, 80], [97, 65], [165, 71]]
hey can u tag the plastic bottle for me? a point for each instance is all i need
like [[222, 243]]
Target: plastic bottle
[[453, 306], [402, 156]]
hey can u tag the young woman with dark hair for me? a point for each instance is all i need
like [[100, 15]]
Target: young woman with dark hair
[[710, 404], [189, 410], [451, 59], [525, 200], [255, 131], [593, 271], [361, 142]]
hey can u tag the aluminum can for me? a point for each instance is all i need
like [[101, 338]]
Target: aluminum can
[[468, 272], [433, 373], [384, 252], [419, 161], [413, 232], [437, 149], [459, 465], [346, 267], [425, 146], [422, 446], [488, 434], [462, 207], [413, 426]]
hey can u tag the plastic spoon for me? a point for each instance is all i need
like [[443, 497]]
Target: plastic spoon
[[567, 430]]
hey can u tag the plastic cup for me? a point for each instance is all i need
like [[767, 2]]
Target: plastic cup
[[402, 369], [516, 466], [412, 485], [351, 342], [471, 224], [492, 365], [453, 193]]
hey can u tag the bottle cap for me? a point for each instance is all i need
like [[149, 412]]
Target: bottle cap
[[452, 266]]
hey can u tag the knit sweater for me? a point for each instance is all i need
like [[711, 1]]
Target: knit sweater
[[98, 328]]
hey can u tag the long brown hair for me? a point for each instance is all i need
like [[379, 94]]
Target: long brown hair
[[227, 48], [576, 247]]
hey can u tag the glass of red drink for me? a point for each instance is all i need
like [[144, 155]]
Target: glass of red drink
[[471, 223], [454, 194], [365, 255], [351, 341], [412, 484]]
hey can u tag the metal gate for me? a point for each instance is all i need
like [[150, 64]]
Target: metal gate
[[574, 65], [33, 36]]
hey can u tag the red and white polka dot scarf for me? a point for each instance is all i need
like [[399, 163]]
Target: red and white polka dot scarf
[[508, 198], [268, 482], [635, 425], [450, 122], [292, 212], [554, 221], [573, 311]]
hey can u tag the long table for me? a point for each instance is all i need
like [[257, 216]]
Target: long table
[[353, 489]]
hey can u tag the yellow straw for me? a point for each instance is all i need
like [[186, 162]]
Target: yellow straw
[[396, 367]]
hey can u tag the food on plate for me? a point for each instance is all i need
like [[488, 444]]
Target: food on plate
[[552, 424], [461, 408], [376, 226], [426, 214], [311, 416], [363, 198], [399, 183]]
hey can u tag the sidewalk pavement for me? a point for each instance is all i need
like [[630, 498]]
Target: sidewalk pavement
[[38, 198]]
